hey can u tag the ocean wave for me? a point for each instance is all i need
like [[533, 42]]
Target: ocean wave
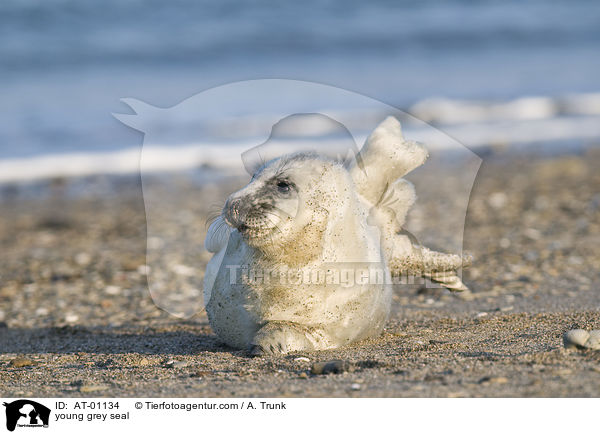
[[448, 111], [574, 118]]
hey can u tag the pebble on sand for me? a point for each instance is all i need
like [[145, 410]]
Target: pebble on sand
[[575, 338], [21, 362], [144, 362], [88, 388], [581, 339], [593, 341], [493, 380], [331, 367], [112, 289], [144, 270], [175, 363], [83, 258], [71, 318], [497, 200]]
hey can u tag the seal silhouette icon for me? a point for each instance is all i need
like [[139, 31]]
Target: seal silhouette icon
[[262, 120], [26, 412]]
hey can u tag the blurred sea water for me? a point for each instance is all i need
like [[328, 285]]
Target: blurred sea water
[[474, 69]]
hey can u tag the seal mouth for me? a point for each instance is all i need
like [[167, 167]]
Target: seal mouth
[[250, 231], [254, 232]]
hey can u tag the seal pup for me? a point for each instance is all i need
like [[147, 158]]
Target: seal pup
[[303, 253]]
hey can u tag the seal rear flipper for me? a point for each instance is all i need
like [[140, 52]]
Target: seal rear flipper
[[385, 156], [448, 279], [394, 203], [437, 266]]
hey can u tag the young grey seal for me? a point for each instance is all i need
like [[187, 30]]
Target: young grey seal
[[303, 254]]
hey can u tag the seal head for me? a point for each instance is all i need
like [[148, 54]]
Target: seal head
[[289, 204]]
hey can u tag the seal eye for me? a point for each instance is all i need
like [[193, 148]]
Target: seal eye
[[284, 187]]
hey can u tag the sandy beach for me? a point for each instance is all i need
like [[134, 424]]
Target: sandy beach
[[77, 318]]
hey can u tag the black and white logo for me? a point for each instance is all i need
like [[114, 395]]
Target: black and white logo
[[26, 413]]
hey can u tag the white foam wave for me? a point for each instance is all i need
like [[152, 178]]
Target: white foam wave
[[524, 120], [153, 158], [584, 129], [448, 111]]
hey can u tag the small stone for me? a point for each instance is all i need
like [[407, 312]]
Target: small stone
[[493, 380], [199, 374], [303, 375], [456, 395], [355, 386], [593, 342], [155, 243], [41, 311], [175, 364], [144, 362], [497, 200], [574, 339], [21, 362], [83, 259], [88, 388], [183, 270], [71, 317], [504, 243], [532, 234], [302, 359], [112, 289], [331, 367], [104, 363]]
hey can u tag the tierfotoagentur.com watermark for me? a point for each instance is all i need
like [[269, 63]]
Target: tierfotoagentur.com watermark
[[342, 275], [223, 135]]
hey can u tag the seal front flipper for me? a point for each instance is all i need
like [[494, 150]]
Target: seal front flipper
[[437, 266], [282, 337], [217, 235]]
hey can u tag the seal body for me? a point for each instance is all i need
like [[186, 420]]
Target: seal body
[[286, 279], [303, 253]]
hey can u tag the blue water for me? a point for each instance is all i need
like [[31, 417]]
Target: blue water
[[64, 64]]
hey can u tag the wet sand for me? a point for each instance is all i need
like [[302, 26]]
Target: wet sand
[[75, 307]]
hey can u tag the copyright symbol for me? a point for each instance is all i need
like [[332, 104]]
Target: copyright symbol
[[138, 405]]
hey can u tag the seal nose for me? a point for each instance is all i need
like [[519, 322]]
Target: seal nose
[[234, 215]]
